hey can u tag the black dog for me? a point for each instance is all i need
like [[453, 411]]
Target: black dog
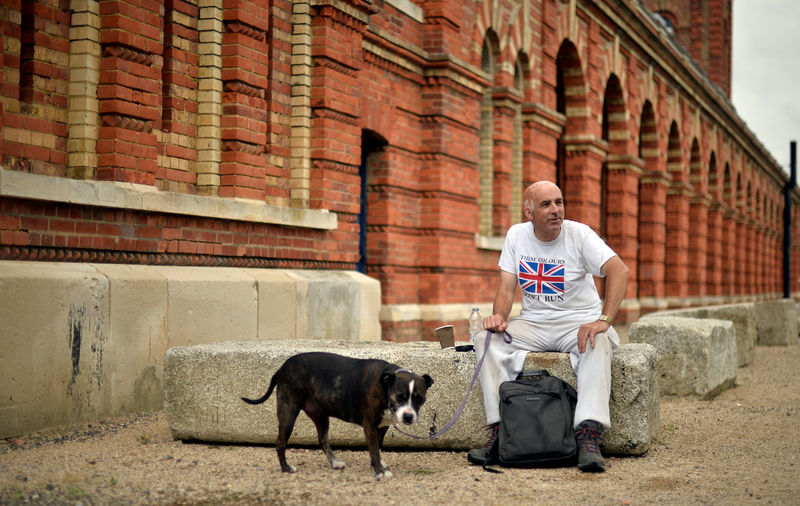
[[371, 393]]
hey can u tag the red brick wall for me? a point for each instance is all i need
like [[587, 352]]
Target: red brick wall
[[678, 186]]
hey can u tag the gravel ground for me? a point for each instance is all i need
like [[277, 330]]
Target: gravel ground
[[740, 448]]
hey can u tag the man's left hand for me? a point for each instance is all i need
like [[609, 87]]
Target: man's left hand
[[587, 332]]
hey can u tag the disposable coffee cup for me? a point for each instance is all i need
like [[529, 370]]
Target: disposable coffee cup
[[446, 336]]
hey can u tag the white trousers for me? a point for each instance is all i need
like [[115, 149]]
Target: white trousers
[[592, 367]]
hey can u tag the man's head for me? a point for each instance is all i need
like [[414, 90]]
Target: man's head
[[544, 206]]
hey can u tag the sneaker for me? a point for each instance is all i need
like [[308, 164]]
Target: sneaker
[[482, 456], [588, 437]]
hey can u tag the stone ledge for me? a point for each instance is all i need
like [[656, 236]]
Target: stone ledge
[[203, 385], [139, 197]]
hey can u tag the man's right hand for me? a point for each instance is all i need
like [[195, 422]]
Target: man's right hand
[[495, 323]]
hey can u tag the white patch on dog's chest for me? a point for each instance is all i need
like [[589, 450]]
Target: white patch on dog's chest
[[388, 418]]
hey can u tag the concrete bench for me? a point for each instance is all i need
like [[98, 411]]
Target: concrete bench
[[203, 385], [696, 357]]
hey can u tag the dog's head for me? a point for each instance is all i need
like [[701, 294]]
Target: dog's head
[[405, 393]]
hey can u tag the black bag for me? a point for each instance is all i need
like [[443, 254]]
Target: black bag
[[536, 416]]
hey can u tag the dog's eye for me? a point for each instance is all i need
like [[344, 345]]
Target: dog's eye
[[402, 397], [419, 399]]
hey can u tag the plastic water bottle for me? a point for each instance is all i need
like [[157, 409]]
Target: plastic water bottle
[[475, 325]]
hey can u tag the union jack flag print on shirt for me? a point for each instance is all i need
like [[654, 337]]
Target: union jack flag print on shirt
[[541, 278]]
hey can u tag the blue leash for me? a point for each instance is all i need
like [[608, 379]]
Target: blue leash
[[507, 339]]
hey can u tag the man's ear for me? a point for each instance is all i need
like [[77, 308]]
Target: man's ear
[[527, 211]]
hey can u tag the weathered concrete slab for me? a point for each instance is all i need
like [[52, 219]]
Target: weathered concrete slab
[[203, 385], [743, 317], [776, 322], [696, 357]]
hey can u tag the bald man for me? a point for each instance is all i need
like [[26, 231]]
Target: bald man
[[553, 261]]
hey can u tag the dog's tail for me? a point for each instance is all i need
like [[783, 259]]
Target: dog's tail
[[263, 397]]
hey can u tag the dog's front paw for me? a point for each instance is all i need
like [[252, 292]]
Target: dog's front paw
[[288, 468], [336, 463], [383, 474]]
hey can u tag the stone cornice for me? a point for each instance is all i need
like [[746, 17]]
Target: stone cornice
[[136, 197]]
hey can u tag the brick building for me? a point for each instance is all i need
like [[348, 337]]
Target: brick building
[[390, 137]]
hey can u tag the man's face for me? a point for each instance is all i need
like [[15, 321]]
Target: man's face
[[546, 211]]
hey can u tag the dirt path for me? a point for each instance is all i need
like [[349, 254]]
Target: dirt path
[[742, 447]]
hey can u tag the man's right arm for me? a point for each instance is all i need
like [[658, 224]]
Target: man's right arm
[[503, 301]]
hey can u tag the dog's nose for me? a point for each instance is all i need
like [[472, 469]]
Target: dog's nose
[[408, 418]]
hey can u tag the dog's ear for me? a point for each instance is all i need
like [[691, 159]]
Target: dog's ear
[[386, 379], [428, 380]]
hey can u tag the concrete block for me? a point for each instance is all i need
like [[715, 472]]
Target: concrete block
[[277, 303], [696, 357], [776, 322], [136, 347], [207, 304], [337, 305], [203, 385], [743, 317], [55, 330]]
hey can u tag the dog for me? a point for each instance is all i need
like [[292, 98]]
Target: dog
[[368, 392]]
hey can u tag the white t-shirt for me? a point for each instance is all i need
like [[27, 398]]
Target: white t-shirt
[[556, 276]]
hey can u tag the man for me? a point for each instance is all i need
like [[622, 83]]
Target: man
[[554, 260]]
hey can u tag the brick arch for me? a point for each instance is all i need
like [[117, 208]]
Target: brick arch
[[714, 234], [575, 170], [375, 200], [615, 117], [615, 133], [675, 155], [571, 89], [648, 139], [714, 187], [728, 188], [739, 196], [697, 172], [508, 24]]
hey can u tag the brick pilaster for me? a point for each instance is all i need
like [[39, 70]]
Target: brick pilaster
[[505, 111], [335, 107], [245, 110], [677, 261], [730, 278], [622, 212], [129, 90], [541, 129], [698, 245], [583, 167], [714, 263], [652, 231]]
